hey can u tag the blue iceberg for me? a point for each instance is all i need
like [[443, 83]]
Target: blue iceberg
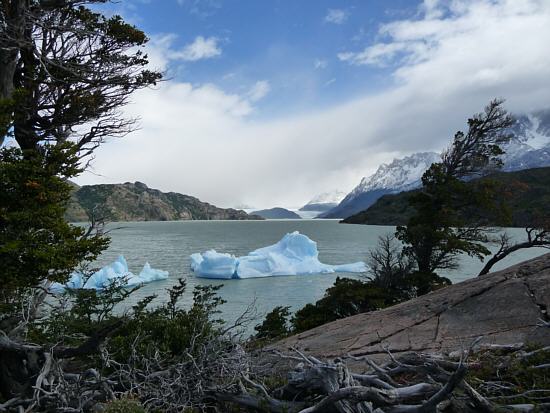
[[117, 271], [294, 254]]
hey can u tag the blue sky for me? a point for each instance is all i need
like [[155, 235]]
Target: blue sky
[[271, 102], [292, 45]]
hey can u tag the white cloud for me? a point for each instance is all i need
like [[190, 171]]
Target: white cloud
[[320, 64], [161, 51], [202, 140], [200, 48], [260, 89], [336, 16], [380, 54], [432, 9]]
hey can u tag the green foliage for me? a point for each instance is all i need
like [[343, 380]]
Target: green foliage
[[169, 328], [125, 405], [275, 324], [36, 244], [436, 233], [345, 298], [81, 314]]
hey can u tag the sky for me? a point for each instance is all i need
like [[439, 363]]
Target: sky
[[269, 103]]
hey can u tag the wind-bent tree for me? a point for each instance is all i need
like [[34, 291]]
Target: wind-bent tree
[[537, 235], [447, 219], [66, 72]]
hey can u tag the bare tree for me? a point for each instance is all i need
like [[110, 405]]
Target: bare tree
[[390, 269]]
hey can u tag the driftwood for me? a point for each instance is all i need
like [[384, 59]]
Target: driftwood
[[222, 373], [331, 387], [412, 383]]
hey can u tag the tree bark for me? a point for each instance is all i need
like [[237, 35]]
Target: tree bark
[[13, 21]]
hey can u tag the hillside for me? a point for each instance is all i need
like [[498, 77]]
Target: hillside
[[277, 213], [526, 191], [137, 202]]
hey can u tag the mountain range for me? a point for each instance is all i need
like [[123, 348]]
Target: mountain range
[[527, 195], [529, 148], [137, 202]]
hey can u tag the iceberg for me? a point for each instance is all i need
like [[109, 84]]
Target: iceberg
[[117, 271], [294, 254]]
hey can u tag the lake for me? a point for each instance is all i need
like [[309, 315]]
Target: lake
[[168, 245]]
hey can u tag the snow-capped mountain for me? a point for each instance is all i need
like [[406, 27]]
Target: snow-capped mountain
[[529, 148], [324, 202], [399, 175]]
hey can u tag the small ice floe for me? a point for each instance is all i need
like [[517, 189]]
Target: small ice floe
[[294, 254], [114, 272]]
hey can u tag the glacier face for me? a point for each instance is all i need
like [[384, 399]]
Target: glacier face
[[332, 197], [116, 272], [324, 202], [294, 254], [529, 148]]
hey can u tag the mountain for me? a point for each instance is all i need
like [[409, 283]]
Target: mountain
[[529, 148], [530, 145], [527, 193], [136, 202], [399, 175], [277, 213], [325, 201]]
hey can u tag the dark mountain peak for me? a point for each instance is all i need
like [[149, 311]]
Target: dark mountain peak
[[277, 213]]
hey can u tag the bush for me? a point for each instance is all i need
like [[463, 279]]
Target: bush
[[275, 324], [345, 298]]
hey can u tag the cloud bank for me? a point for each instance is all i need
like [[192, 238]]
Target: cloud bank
[[445, 64]]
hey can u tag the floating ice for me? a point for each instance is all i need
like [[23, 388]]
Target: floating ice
[[294, 254], [118, 270]]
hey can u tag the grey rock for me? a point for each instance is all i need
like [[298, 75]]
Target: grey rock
[[502, 307]]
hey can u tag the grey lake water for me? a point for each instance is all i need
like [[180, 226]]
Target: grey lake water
[[168, 245]]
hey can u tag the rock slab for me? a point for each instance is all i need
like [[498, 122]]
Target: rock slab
[[503, 307]]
